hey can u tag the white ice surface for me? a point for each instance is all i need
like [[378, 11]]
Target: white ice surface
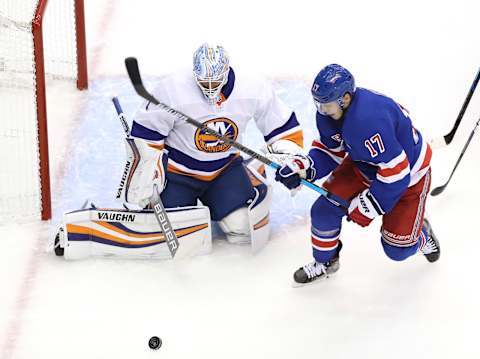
[[230, 303]]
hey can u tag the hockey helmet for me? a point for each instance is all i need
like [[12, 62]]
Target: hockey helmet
[[210, 68], [331, 84]]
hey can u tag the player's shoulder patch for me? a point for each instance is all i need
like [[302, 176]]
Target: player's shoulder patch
[[337, 137]]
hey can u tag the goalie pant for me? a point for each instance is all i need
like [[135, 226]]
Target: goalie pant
[[238, 198], [402, 232]]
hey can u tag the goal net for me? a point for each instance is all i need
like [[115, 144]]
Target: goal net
[[39, 39]]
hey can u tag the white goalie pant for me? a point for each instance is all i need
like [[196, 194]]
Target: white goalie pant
[[251, 224], [134, 234]]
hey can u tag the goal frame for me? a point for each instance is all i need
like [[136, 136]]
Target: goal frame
[[41, 110]]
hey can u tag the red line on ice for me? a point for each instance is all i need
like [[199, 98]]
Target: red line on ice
[[22, 301]]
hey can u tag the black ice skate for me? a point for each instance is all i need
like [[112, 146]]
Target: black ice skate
[[431, 250], [315, 270], [59, 243]]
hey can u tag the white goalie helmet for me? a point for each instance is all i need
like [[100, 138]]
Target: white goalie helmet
[[210, 68]]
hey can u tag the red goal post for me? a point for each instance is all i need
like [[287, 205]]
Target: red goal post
[[39, 39]]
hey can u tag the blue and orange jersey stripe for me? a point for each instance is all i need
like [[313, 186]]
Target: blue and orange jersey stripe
[[82, 233]]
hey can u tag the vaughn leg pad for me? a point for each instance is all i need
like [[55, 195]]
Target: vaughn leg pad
[[135, 234]]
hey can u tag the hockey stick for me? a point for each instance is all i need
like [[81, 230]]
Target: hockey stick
[[436, 191], [155, 201], [445, 140], [134, 73]]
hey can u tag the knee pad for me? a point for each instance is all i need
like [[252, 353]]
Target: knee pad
[[236, 226]]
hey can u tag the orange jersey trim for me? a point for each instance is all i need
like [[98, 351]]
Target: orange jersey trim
[[253, 179], [206, 178], [157, 147], [296, 137]]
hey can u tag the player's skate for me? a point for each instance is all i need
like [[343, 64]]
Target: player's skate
[[431, 250], [315, 270]]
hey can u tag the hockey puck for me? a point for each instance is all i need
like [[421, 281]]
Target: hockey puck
[[155, 343]]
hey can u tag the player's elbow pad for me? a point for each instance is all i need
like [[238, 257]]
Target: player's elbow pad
[[143, 170]]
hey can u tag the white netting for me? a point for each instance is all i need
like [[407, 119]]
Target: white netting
[[16, 51], [60, 39], [20, 190]]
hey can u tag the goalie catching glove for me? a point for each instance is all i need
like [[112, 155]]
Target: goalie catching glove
[[144, 170]]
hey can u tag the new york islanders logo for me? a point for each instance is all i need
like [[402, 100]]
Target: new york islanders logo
[[209, 143]]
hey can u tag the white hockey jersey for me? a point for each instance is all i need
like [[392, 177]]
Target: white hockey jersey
[[191, 151]]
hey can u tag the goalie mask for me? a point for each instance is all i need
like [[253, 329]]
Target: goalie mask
[[210, 68]]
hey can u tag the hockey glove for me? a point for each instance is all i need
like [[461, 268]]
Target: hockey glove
[[364, 208], [144, 170], [281, 151], [294, 169]]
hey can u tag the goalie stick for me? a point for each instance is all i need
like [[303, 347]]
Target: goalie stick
[[134, 73], [436, 191], [155, 201], [445, 140]]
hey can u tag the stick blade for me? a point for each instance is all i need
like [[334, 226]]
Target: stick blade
[[133, 72], [449, 137], [436, 191]]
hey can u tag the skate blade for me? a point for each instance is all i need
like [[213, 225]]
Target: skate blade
[[318, 280]]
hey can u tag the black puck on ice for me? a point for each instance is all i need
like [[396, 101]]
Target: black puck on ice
[[155, 343]]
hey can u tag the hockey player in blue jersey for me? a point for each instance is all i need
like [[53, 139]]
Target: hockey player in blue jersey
[[376, 160]]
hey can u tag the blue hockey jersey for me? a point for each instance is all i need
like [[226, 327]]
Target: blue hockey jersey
[[378, 135]]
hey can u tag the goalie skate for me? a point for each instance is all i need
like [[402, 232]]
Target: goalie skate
[[59, 243]]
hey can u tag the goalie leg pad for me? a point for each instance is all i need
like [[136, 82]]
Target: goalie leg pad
[[251, 224], [135, 234], [259, 208], [259, 213], [236, 226]]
